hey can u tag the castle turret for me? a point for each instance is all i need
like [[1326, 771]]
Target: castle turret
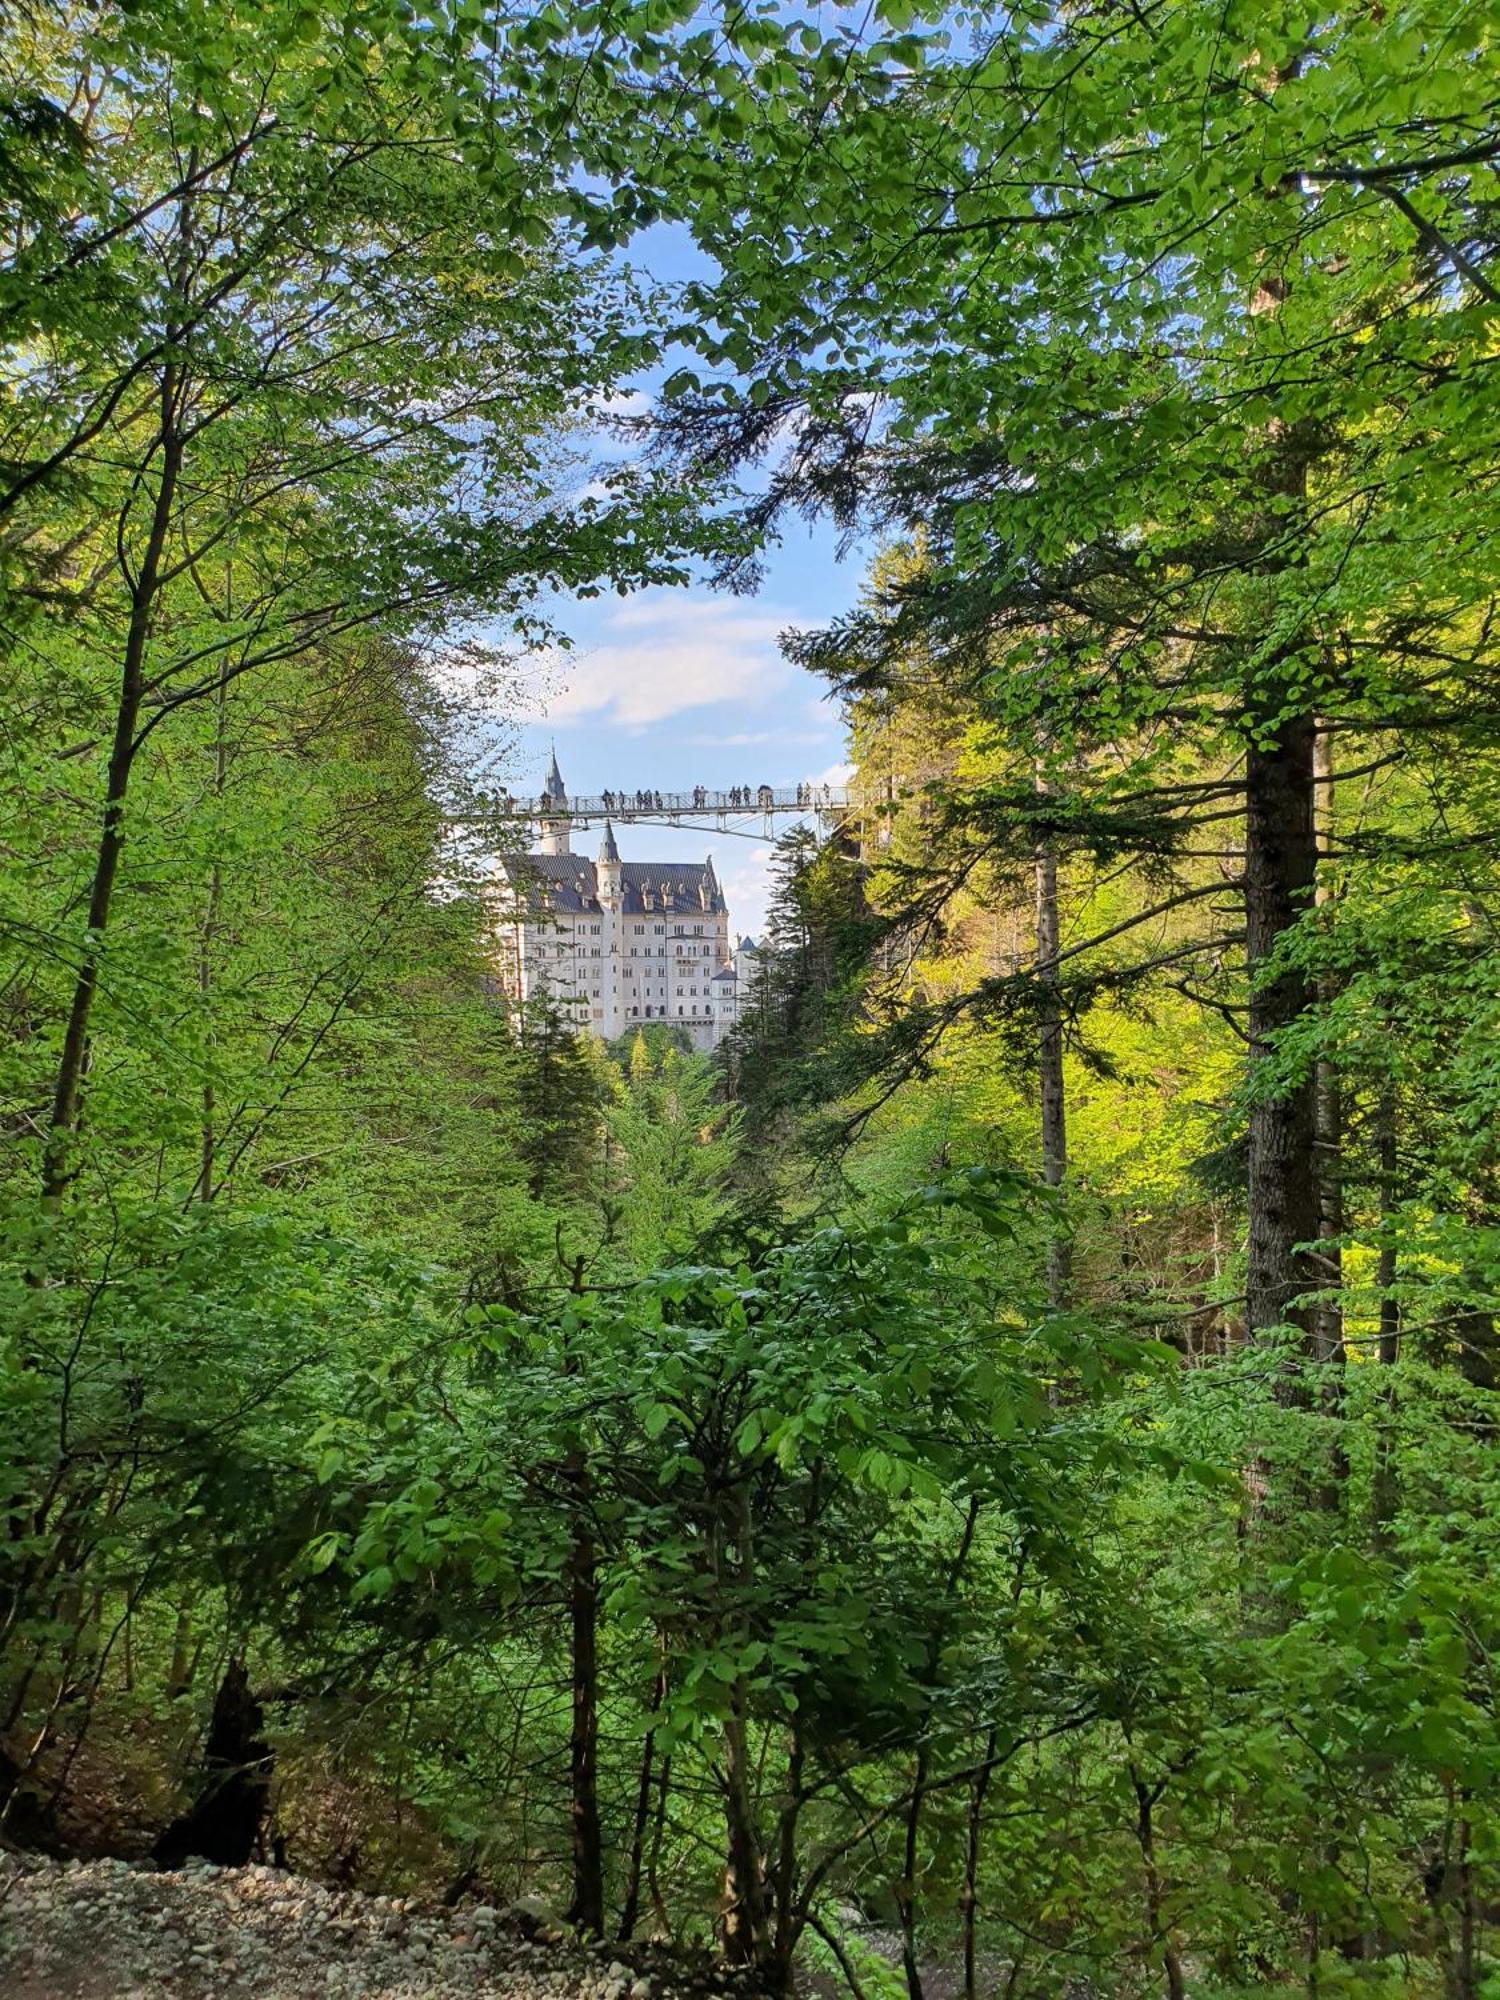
[[554, 830], [608, 872]]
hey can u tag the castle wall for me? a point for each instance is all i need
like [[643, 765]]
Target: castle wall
[[621, 946]]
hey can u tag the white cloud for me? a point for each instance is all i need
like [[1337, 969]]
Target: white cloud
[[750, 739], [747, 890], [623, 403], [665, 652]]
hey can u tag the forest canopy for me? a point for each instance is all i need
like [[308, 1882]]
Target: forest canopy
[[984, 1482]]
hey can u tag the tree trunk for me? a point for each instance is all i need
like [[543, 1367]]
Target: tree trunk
[[1385, 1495], [630, 1908], [1050, 1064], [1328, 1107], [205, 1187], [1280, 872], [1386, 1271], [1466, 1967], [784, 1884], [969, 1897], [906, 1888], [180, 1672], [1328, 1124], [225, 1822], [1145, 1833], [586, 1909], [745, 1926], [658, 1841], [906, 1892], [745, 1929], [67, 1092]]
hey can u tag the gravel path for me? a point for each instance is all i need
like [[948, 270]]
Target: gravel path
[[106, 1930]]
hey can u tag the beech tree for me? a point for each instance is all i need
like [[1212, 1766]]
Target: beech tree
[[1169, 333]]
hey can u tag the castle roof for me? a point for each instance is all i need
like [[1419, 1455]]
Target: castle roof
[[554, 786], [607, 848], [569, 882]]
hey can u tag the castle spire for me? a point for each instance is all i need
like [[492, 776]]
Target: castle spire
[[554, 831], [608, 873]]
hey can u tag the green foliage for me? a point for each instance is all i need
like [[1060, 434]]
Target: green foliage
[[744, 1475]]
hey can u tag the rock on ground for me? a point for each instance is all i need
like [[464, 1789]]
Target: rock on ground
[[107, 1930]]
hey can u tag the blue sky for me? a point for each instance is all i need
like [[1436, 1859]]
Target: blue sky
[[676, 688]]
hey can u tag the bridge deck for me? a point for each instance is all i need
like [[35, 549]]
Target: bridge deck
[[699, 803]]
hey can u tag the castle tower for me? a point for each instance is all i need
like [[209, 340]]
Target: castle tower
[[609, 872], [609, 880], [554, 832]]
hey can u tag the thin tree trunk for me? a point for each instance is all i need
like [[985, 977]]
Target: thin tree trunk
[[180, 1672], [1280, 872], [205, 1187], [906, 1888], [67, 1094], [906, 1892], [969, 1897], [1328, 1121], [1050, 1063], [841, 1957], [1328, 1100], [1386, 1271], [744, 1889], [630, 1908], [784, 1941], [1385, 1495], [1145, 1833], [746, 1931], [586, 1909], [658, 1841], [1466, 1985]]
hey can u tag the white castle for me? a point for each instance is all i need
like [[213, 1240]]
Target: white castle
[[616, 945]]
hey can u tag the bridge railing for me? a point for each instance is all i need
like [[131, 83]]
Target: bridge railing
[[651, 804]]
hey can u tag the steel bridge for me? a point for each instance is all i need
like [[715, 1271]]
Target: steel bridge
[[717, 807]]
